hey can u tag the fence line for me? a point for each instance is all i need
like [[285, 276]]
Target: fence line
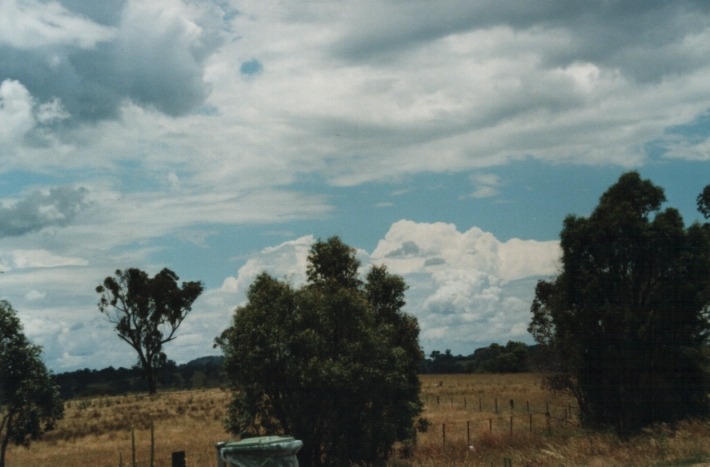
[[566, 409], [501, 424]]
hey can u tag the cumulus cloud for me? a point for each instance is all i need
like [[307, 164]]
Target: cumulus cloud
[[56, 208], [467, 289]]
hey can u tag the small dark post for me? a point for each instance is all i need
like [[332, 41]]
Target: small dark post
[[527, 406], [490, 425], [134, 462], [179, 459], [464, 402], [480, 404], [443, 433], [512, 406], [437, 400], [152, 445]]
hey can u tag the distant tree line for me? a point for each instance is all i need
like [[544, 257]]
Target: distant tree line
[[514, 357], [208, 372], [205, 372]]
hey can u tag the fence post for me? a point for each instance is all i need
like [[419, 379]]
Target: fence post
[[464, 402], [490, 425], [512, 406], [152, 445], [178, 459], [134, 463], [443, 433]]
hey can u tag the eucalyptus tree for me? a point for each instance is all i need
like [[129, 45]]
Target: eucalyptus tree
[[625, 323], [30, 404], [333, 363], [147, 312]]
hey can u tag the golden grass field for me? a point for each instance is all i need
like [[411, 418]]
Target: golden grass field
[[465, 430]]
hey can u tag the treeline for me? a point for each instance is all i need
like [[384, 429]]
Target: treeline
[[514, 357], [208, 372], [204, 372]]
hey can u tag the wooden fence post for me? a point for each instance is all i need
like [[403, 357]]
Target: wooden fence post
[[443, 433], [134, 462], [178, 459], [511, 425], [152, 445]]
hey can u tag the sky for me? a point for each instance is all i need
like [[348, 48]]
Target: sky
[[446, 140]]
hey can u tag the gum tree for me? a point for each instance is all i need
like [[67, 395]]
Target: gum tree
[[625, 324], [147, 312], [30, 404], [333, 363]]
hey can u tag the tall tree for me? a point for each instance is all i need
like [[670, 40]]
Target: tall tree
[[29, 398], [147, 312], [333, 363], [626, 321]]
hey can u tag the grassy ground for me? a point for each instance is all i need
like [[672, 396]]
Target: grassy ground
[[470, 419]]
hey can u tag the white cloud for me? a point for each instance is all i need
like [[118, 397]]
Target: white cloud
[[28, 24], [15, 112], [467, 289]]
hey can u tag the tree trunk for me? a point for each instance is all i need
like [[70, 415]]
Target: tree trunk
[[149, 376], [3, 448]]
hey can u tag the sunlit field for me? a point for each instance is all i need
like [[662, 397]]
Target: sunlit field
[[474, 420]]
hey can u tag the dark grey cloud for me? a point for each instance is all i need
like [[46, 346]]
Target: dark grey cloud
[[38, 211], [643, 38], [153, 59]]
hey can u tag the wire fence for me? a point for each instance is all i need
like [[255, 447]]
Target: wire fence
[[498, 416]]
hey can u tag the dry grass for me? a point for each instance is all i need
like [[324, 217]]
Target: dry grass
[[96, 431]]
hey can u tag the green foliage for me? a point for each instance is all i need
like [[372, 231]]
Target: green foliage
[[625, 323], [333, 363], [29, 400], [147, 312], [511, 358]]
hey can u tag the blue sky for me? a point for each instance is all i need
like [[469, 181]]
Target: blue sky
[[447, 140]]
